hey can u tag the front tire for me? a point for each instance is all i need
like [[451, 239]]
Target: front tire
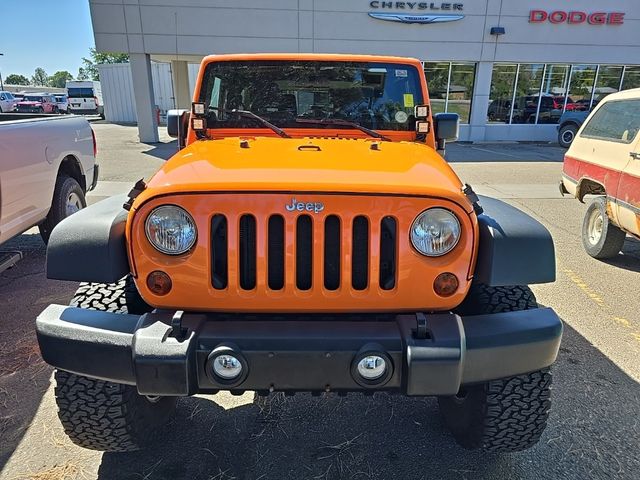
[[506, 415], [566, 135], [68, 198], [107, 416], [600, 237]]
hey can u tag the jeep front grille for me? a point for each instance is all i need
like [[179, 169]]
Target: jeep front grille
[[318, 243]]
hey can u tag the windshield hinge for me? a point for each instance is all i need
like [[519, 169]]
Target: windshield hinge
[[473, 198], [137, 189]]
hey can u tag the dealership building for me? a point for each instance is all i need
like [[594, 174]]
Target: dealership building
[[510, 69]]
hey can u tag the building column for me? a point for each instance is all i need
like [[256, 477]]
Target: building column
[[143, 93], [180, 79], [480, 103]]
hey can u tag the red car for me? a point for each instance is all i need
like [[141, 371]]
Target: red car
[[38, 103]]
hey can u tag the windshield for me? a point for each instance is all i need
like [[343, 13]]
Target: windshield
[[80, 92], [379, 96], [31, 98]]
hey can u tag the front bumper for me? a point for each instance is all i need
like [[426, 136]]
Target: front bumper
[[294, 354]]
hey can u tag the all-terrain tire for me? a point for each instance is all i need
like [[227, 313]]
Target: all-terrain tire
[[611, 239], [506, 415], [483, 299], [102, 415], [67, 190]]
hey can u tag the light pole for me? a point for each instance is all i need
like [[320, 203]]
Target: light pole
[[1, 84]]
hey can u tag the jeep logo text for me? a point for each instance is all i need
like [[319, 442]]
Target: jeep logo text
[[315, 207]]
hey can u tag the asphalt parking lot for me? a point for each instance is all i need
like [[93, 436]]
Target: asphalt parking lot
[[594, 429]]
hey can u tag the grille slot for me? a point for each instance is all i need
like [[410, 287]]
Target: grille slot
[[275, 252], [247, 252], [332, 242], [304, 252], [388, 253], [219, 254], [360, 256]]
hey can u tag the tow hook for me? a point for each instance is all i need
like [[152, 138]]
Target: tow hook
[[422, 331], [177, 330]]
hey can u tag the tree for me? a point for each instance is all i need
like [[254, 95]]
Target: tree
[[59, 79], [82, 74], [89, 65], [15, 79], [40, 78]]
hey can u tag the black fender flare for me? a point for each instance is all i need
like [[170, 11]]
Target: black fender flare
[[514, 248], [89, 246]]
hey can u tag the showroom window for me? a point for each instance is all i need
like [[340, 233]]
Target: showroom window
[[631, 78], [541, 93], [451, 87]]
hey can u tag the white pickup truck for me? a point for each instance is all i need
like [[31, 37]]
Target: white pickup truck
[[47, 165]]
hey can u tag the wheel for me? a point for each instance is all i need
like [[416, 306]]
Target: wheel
[[600, 237], [506, 415], [68, 198], [40, 110], [102, 415], [566, 135]]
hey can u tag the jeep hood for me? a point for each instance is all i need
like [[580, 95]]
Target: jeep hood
[[342, 165]]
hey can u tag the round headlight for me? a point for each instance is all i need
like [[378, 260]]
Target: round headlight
[[171, 230], [435, 232]]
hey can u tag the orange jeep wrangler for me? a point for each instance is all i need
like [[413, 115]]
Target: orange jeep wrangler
[[307, 237]]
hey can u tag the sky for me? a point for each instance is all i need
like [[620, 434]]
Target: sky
[[52, 34]]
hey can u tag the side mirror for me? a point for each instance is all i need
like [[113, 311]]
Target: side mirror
[[447, 129], [447, 126], [178, 125]]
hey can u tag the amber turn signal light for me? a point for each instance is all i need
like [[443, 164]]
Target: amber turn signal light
[[159, 283], [446, 284]]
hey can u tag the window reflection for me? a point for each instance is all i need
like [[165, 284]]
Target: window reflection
[[527, 93], [554, 90], [541, 94], [438, 80], [461, 90], [501, 94], [609, 78], [451, 87], [631, 78]]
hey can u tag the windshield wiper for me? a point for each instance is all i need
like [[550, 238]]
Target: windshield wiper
[[346, 123], [248, 114]]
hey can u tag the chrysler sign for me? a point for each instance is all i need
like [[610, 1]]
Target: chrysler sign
[[414, 9], [576, 17]]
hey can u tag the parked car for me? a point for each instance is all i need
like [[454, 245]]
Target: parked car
[[269, 254], [604, 160], [85, 97], [526, 108], [7, 102], [37, 103], [62, 102], [48, 165], [568, 126], [499, 110]]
